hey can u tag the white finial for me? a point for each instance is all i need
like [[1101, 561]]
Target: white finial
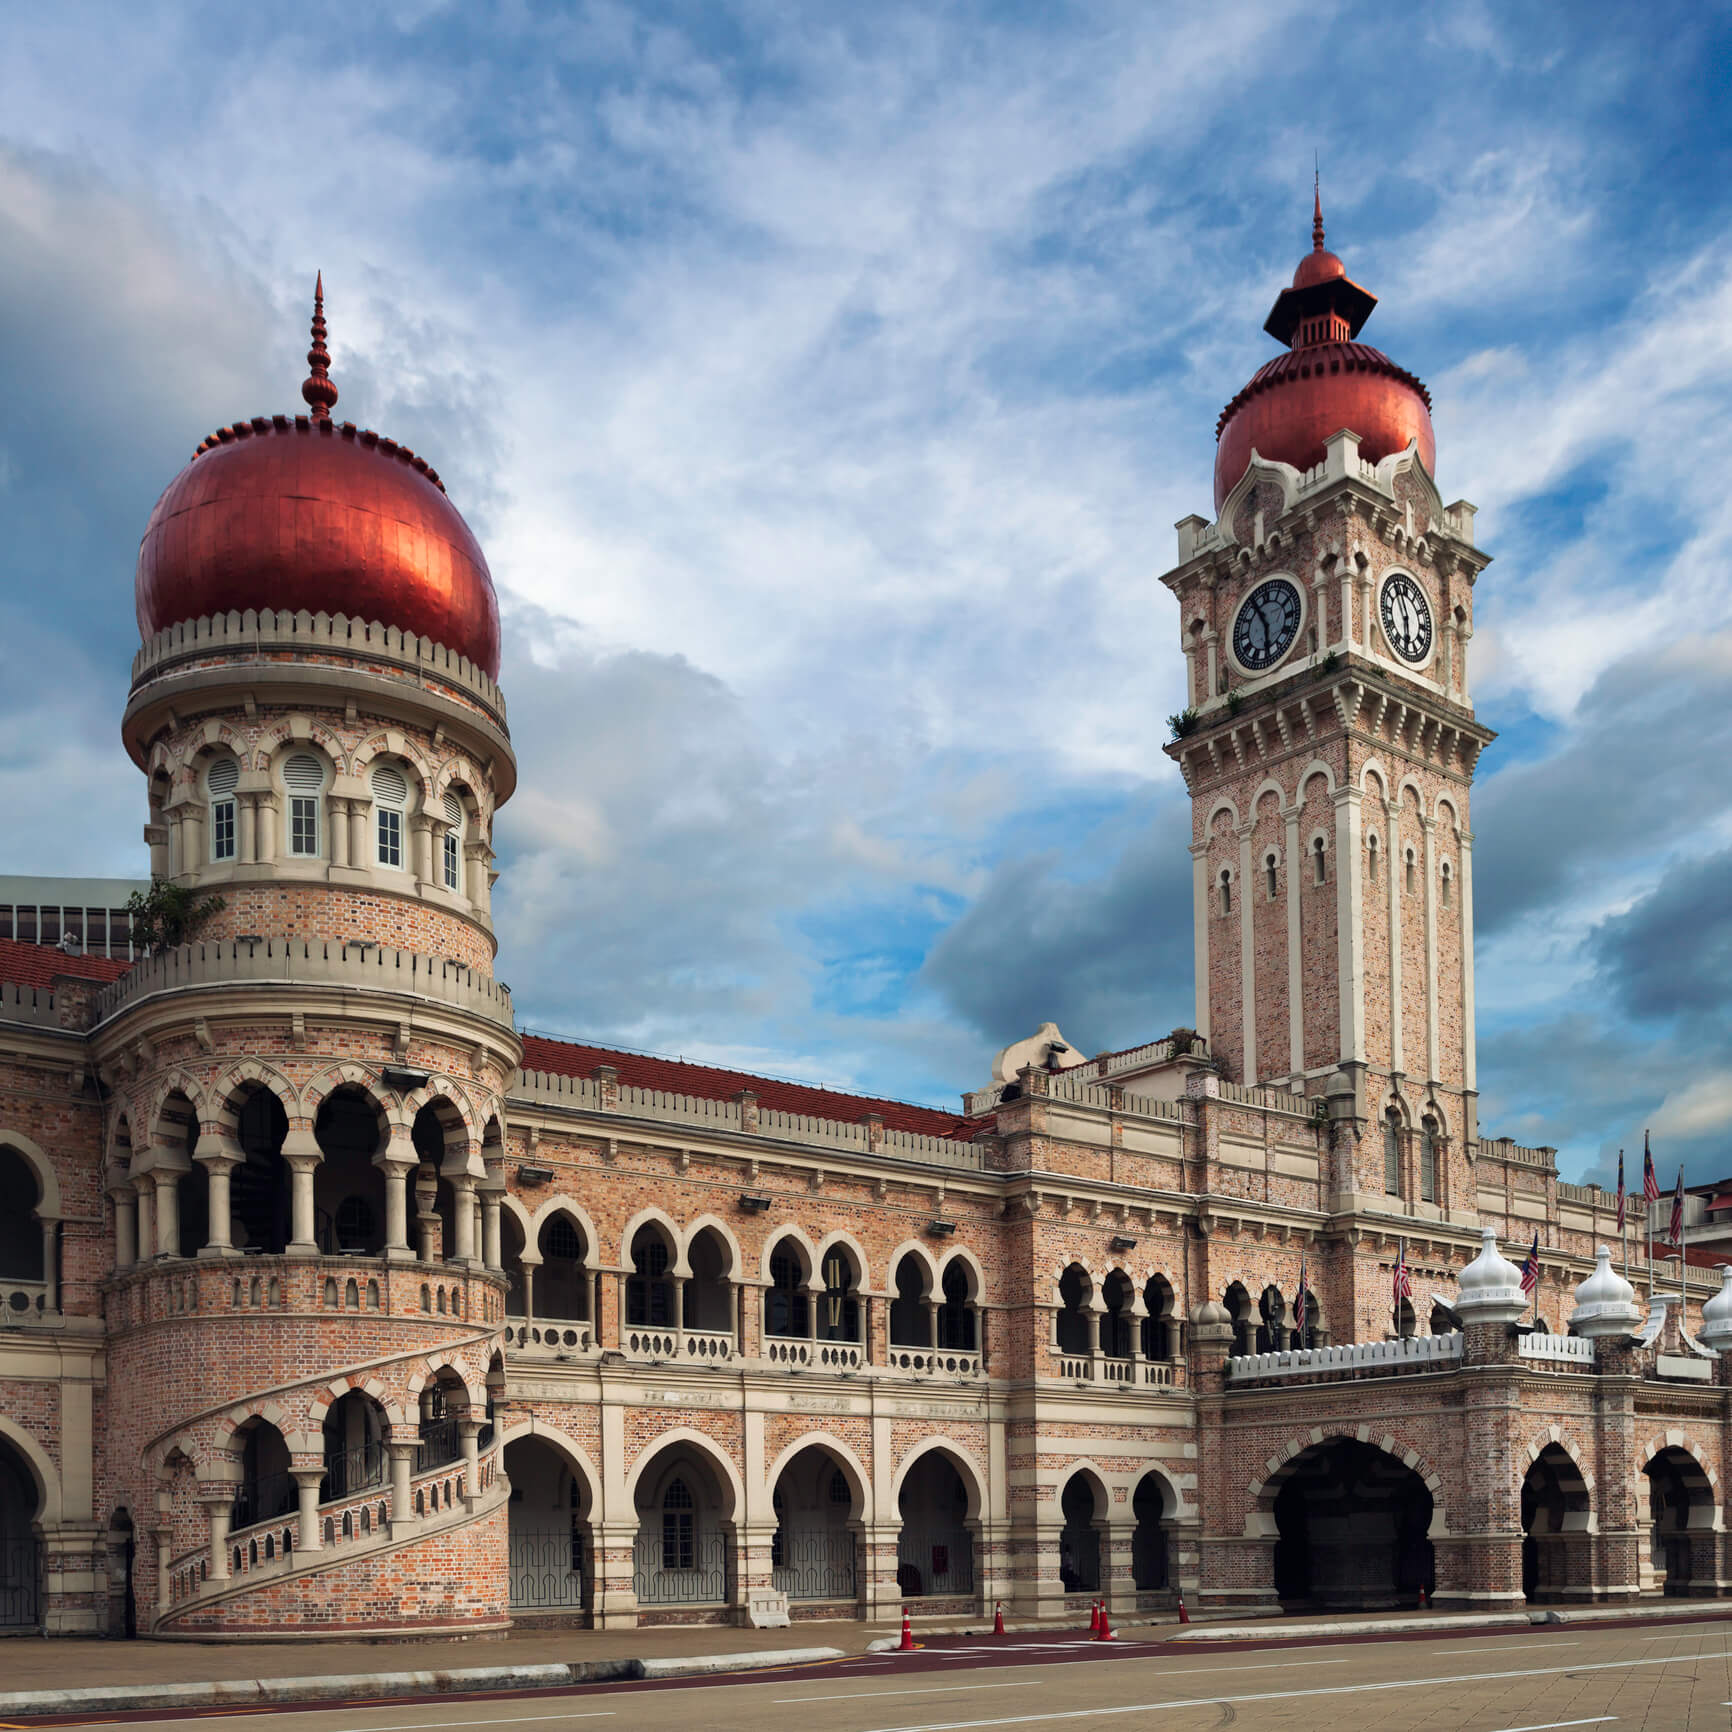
[[1605, 1301]]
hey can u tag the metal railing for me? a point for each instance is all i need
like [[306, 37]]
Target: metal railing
[[816, 1564], [1079, 1560], [547, 1570], [934, 1561], [690, 1573], [20, 1578], [264, 1499], [441, 1442], [348, 1471]]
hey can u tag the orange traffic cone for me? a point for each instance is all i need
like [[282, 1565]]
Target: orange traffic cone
[[1094, 1617], [907, 1646], [998, 1617], [1184, 1616], [1422, 1599], [1105, 1632]]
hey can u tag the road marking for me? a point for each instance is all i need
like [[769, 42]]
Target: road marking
[[1552, 1725], [951, 1689], [1509, 1650], [1321, 1690], [506, 1720]]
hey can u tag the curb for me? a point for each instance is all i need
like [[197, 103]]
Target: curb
[[1358, 1627], [241, 1692]]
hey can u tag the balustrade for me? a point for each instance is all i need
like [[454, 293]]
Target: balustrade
[[1415, 1353]]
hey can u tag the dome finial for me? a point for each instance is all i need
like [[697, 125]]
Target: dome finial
[[1317, 210], [318, 391]]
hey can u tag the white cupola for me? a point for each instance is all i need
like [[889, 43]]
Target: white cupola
[[1490, 1287], [1606, 1302], [1716, 1330]]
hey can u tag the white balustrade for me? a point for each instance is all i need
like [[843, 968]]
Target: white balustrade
[[1560, 1349], [1416, 1353], [709, 1346]]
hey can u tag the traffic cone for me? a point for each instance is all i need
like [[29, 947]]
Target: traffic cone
[[1422, 1599], [998, 1617], [1105, 1632], [1184, 1616], [907, 1646], [1094, 1617]]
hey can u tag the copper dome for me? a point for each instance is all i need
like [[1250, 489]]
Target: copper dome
[[298, 513], [1326, 381]]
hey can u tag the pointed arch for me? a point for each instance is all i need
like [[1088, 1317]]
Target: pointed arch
[[928, 1265], [959, 1456], [30, 1152], [853, 1469], [702, 1445], [775, 1238]]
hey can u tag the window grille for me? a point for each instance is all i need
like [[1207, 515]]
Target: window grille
[[679, 1528], [221, 780], [562, 1239], [304, 777], [1427, 1166], [1391, 1158]]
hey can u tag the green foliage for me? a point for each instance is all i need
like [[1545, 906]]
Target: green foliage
[[1184, 722], [1235, 702], [1329, 664], [167, 914]]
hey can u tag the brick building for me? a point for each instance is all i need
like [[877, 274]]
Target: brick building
[[331, 1303]]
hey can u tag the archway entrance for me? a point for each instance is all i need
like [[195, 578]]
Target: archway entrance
[[1353, 1524], [1079, 1546], [20, 1547], [548, 1530], [1557, 1561], [681, 1554], [1681, 1510], [812, 1556], [1149, 1560], [122, 1601], [934, 1549]]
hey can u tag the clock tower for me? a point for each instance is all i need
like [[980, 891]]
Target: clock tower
[[1329, 746]]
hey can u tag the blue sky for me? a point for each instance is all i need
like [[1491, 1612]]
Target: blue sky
[[824, 383]]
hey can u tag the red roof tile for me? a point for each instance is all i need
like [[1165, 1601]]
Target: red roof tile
[[675, 1076], [38, 964]]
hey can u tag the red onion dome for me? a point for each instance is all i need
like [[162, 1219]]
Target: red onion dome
[[1326, 381], [300, 513]]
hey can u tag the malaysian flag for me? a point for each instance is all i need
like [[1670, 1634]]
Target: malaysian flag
[[1531, 1268], [1677, 1233], [1623, 1201], [1300, 1303], [1650, 1181], [1403, 1280]]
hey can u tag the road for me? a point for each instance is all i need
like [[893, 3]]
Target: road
[[1677, 1678]]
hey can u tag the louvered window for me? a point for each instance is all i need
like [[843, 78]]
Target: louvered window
[[453, 840], [220, 781], [390, 796], [304, 777]]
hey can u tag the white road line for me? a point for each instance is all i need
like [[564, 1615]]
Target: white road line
[[510, 1720], [1552, 1725], [1492, 1653], [1022, 1684], [1293, 1695]]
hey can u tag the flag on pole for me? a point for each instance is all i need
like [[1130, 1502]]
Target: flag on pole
[[1403, 1281], [1622, 1199], [1531, 1268], [1650, 1182], [1300, 1303], [1677, 1233]]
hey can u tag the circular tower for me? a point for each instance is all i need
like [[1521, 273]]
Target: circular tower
[[305, 1144]]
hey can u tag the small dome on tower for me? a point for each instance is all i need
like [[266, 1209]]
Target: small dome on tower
[[298, 513], [1605, 1301], [1716, 1330], [1326, 381], [1490, 1287]]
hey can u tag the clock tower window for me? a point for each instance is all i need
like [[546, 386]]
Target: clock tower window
[[1410, 873], [1269, 868], [1371, 859], [1226, 891], [1319, 860], [1443, 887], [1392, 1155]]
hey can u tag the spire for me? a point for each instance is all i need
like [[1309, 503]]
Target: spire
[[318, 391], [1317, 213]]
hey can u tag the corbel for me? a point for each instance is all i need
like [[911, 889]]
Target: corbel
[[682, 1160], [351, 712], [298, 1032], [881, 1189], [753, 1169], [201, 1033], [610, 1149], [145, 1051], [400, 1046], [815, 1179], [249, 706]]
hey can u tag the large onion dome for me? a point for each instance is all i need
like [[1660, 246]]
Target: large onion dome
[[1326, 381], [1716, 1330], [1489, 1289], [300, 513], [1605, 1301]]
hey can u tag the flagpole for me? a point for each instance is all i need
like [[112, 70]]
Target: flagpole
[[1683, 1262], [1648, 1213], [1624, 1214]]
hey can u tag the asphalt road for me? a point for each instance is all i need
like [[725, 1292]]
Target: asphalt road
[[1679, 1679]]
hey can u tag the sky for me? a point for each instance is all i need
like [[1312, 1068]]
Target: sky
[[824, 383]]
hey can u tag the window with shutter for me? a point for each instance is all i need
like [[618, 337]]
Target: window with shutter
[[220, 781], [390, 796], [453, 840], [304, 777]]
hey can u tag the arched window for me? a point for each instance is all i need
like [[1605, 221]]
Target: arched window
[[1238, 1303], [1272, 1321], [1410, 873], [785, 1304], [1073, 1316], [1443, 887], [1226, 891], [1319, 860], [1392, 1155], [1428, 1161], [1371, 859], [220, 781], [840, 1320], [909, 1324], [648, 1291], [453, 844], [679, 1528], [390, 800], [304, 777], [1157, 1328], [955, 1314], [1269, 868], [355, 1227]]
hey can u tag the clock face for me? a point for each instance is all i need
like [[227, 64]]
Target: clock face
[[1267, 623], [1406, 616]]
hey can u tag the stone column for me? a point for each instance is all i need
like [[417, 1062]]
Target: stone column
[[307, 1483], [402, 1505], [359, 854], [167, 1213], [1243, 908], [248, 840], [397, 1160], [217, 1505], [339, 811], [463, 1213], [219, 1156], [491, 1192], [1295, 938], [426, 1219], [613, 1598], [1118, 1574], [750, 1543], [470, 1429], [303, 1157], [267, 828], [51, 1264], [530, 1265], [145, 1187], [125, 1226], [422, 826]]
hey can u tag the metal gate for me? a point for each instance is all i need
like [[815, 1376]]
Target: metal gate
[[20, 1572], [817, 1564], [690, 1570], [547, 1570], [934, 1561]]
